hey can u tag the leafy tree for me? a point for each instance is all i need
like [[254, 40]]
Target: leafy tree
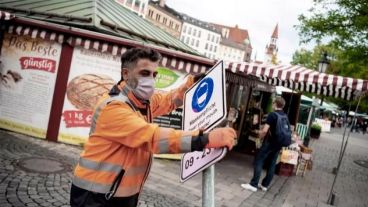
[[274, 59], [343, 22], [344, 25]]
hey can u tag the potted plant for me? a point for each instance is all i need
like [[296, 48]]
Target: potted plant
[[315, 130]]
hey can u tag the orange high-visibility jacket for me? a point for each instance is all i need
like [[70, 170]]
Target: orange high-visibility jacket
[[123, 138]]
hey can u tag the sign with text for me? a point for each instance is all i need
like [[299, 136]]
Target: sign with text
[[28, 71], [204, 108], [171, 120], [205, 102]]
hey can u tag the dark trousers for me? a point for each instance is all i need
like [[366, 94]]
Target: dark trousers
[[83, 198], [270, 151]]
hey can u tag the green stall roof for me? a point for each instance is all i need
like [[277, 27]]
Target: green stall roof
[[105, 16]]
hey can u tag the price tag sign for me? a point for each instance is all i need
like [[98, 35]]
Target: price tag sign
[[204, 108]]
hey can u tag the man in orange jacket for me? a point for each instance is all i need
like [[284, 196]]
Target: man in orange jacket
[[117, 156]]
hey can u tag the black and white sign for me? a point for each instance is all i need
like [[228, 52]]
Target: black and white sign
[[171, 120]]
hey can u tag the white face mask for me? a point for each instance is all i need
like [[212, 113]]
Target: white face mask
[[145, 88]]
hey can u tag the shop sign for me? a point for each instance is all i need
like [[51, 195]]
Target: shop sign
[[171, 120], [204, 108], [28, 70], [92, 73]]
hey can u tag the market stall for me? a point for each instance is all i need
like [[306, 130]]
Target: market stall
[[251, 100], [64, 62]]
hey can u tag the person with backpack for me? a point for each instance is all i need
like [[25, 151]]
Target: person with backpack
[[278, 127]]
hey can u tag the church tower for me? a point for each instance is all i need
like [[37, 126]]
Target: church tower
[[271, 48]]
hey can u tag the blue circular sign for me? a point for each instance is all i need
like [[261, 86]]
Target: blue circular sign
[[202, 95]]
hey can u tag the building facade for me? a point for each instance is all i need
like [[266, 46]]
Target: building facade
[[159, 14], [201, 36], [234, 45], [137, 6]]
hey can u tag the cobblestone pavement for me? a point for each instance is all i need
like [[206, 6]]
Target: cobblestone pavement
[[351, 186], [34, 172]]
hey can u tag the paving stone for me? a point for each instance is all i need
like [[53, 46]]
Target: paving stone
[[163, 188]]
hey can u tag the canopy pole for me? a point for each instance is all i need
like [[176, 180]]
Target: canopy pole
[[331, 197], [343, 139]]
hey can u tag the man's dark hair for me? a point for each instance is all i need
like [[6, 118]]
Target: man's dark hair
[[280, 102], [130, 58]]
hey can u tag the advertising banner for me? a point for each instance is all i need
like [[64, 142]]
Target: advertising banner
[[167, 80], [92, 73], [28, 71]]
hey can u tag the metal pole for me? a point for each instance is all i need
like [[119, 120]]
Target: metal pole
[[208, 187], [331, 197], [309, 124], [310, 120], [334, 170]]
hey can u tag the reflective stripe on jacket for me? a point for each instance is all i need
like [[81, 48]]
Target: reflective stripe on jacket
[[121, 138]]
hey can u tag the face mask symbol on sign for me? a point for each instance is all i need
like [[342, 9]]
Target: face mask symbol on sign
[[202, 95]]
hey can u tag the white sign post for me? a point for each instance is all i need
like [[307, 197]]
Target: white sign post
[[204, 108]]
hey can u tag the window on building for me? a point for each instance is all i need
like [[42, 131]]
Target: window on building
[[137, 2], [187, 41], [176, 27], [215, 48], [206, 47], [213, 39], [194, 32], [199, 33], [210, 47], [184, 29], [143, 6], [192, 43], [164, 20], [182, 38], [130, 2], [170, 24], [208, 37], [150, 13], [189, 30], [197, 43], [217, 39], [158, 17]]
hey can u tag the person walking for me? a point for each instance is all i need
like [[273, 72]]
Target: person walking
[[117, 157], [279, 135]]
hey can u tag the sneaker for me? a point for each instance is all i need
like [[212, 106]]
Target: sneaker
[[249, 187], [262, 187]]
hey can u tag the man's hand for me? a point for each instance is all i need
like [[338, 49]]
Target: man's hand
[[221, 137]]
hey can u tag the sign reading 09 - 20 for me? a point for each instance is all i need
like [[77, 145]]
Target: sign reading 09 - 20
[[204, 103]]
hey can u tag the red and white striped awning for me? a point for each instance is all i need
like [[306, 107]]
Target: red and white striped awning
[[166, 61], [293, 77], [36, 33], [6, 16], [303, 79]]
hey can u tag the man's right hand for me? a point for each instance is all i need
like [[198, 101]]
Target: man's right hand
[[221, 137]]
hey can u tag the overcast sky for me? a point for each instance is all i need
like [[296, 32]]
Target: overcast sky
[[259, 17]]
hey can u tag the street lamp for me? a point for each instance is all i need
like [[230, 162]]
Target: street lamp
[[322, 67], [323, 63]]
